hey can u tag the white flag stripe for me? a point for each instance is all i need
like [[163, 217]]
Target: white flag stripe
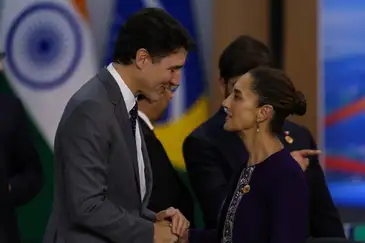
[[28, 69]]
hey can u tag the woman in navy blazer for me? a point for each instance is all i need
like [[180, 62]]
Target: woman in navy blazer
[[268, 203]]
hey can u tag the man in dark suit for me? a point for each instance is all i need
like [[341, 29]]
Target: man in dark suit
[[103, 178], [213, 155], [21, 176], [168, 188]]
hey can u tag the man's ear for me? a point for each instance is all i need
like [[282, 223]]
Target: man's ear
[[142, 58]]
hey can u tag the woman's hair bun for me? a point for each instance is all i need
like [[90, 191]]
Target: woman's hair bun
[[300, 106]]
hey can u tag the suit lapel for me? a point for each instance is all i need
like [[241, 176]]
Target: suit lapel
[[147, 169], [121, 113], [125, 125]]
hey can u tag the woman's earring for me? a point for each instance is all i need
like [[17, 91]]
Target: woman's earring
[[257, 126]]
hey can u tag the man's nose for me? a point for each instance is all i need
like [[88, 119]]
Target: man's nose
[[224, 103]]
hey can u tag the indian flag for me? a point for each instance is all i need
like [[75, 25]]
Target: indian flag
[[50, 54]]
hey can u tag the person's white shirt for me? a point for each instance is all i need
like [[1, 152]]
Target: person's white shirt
[[145, 118], [130, 100]]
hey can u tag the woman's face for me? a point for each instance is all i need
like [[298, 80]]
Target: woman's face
[[241, 106], [242, 110]]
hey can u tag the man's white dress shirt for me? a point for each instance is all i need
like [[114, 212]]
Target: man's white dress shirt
[[130, 101], [145, 118]]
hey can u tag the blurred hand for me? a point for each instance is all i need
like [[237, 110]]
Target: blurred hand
[[301, 157], [163, 233], [179, 224]]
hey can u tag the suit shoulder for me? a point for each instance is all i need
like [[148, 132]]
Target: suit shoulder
[[90, 101], [92, 89], [294, 125], [92, 92], [210, 128], [7, 100], [12, 106], [296, 128]]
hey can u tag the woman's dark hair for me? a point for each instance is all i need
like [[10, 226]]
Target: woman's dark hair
[[276, 89], [154, 30]]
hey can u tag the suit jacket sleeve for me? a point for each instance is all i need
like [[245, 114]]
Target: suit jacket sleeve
[[207, 178], [150, 215], [288, 206], [27, 180], [324, 218], [84, 146]]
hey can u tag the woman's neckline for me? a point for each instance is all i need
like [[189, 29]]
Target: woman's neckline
[[267, 159]]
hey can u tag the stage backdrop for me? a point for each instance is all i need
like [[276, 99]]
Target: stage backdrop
[[342, 96]]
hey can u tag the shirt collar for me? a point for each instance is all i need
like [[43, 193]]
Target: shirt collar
[[127, 94], [145, 118]]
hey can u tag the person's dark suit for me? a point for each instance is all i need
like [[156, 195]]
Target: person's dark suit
[[20, 166], [212, 156], [97, 194], [168, 189]]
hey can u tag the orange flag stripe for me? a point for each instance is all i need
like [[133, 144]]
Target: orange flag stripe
[[80, 5]]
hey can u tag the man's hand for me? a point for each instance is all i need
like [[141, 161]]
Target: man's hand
[[163, 233], [179, 224], [301, 157]]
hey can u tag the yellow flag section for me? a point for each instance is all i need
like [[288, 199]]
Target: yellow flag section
[[173, 134], [50, 55]]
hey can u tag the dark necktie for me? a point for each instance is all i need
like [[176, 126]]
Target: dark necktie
[[133, 118]]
